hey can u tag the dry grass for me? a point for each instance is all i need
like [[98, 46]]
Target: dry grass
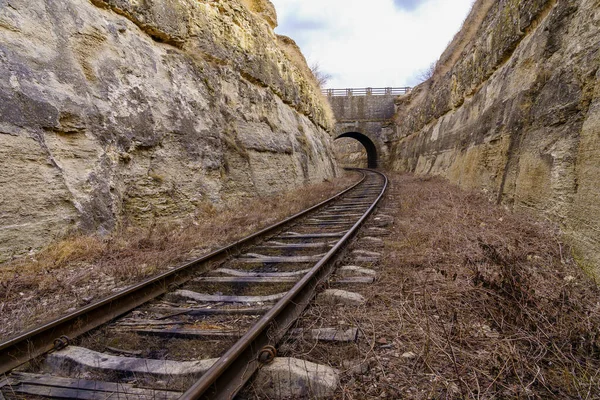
[[80, 269], [473, 302], [465, 35]]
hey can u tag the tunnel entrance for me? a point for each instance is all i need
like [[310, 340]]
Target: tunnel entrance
[[368, 145]]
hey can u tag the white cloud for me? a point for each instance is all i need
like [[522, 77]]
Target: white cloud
[[384, 43]]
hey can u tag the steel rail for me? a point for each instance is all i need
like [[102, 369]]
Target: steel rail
[[35, 342], [232, 370]]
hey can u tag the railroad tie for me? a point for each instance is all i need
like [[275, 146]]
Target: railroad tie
[[366, 253], [74, 359], [3, 382], [251, 258], [326, 334], [376, 231], [338, 214], [296, 235], [357, 269], [275, 278], [191, 333], [170, 312], [371, 241], [329, 223], [75, 388], [365, 260], [237, 272], [217, 298], [365, 256], [289, 246], [350, 280], [248, 279], [321, 334]]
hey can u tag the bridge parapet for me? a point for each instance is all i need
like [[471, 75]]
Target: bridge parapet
[[387, 91]]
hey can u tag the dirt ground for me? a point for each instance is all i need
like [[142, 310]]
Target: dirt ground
[[472, 301]]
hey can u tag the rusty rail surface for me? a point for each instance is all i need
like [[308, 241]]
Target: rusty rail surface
[[387, 91], [38, 341]]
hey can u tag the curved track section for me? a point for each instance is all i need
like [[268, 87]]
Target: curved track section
[[226, 311]]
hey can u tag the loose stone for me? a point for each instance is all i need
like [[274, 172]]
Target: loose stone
[[356, 269], [295, 378], [73, 360], [337, 296]]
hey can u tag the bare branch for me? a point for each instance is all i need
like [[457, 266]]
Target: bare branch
[[427, 73], [321, 76]]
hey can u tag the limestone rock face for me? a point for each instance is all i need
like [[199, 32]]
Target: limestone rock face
[[265, 9], [350, 153], [514, 109], [115, 109]]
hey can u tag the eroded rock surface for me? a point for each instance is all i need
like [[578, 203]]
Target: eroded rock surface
[[115, 108], [350, 153], [514, 109]]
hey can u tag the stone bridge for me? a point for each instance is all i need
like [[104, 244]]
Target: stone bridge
[[367, 116]]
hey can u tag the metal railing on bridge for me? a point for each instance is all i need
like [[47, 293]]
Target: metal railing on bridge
[[388, 91]]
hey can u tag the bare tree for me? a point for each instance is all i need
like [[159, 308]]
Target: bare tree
[[427, 73], [321, 76]]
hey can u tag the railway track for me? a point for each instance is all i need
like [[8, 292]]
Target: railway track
[[227, 311]]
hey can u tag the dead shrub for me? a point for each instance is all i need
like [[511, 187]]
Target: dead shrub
[[477, 302]]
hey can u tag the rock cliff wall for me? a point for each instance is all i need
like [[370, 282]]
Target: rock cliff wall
[[514, 108], [113, 109], [350, 153]]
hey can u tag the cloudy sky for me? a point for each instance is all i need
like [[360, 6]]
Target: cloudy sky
[[374, 43]]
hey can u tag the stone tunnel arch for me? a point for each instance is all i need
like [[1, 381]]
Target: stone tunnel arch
[[372, 158]]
